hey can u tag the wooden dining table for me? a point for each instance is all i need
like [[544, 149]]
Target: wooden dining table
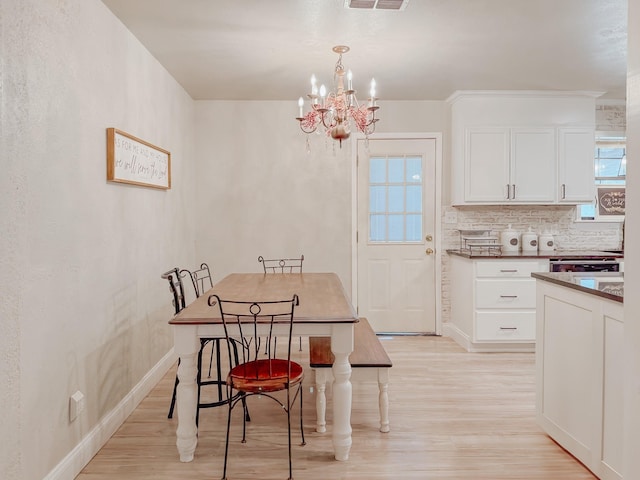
[[324, 310]]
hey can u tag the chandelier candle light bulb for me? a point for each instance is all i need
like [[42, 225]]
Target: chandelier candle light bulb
[[372, 92], [338, 109]]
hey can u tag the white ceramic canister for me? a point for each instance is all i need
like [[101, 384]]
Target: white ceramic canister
[[510, 240], [529, 241], [546, 242]]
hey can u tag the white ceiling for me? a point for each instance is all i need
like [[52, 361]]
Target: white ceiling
[[268, 49]]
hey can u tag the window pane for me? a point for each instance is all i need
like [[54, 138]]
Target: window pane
[[414, 170], [396, 199], [377, 199], [608, 167], [587, 212], [396, 228], [414, 198], [377, 170], [414, 228], [378, 228], [396, 170], [611, 152]]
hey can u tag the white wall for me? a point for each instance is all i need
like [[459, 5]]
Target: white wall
[[83, 306], [261, 193], [632, 256]]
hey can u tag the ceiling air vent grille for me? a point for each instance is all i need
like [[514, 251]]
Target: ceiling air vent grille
[[377, 4]]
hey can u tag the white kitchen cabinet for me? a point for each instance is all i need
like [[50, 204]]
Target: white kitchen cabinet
[[493, 303], [579, 375], [510, 148], [510, 165], [576, 182]]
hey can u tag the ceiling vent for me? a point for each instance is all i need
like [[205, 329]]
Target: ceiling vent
[[377, 4]]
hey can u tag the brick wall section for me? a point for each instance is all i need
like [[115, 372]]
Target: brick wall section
[[557, 220], [611, 118]]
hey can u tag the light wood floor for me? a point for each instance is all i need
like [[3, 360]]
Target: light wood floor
[[453, 414]]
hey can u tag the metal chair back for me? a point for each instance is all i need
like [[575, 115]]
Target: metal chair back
[[282, 265], [200, 278], [242, 319], [176, 287]]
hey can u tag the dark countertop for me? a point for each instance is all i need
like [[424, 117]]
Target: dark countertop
[[568, 254], [609, 285]]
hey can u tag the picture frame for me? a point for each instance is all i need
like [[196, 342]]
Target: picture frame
[[611, 201], [134, 161]]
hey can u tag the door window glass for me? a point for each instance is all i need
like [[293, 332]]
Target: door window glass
[[395, 199]]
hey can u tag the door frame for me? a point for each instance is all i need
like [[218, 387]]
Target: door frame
[[437, 213]]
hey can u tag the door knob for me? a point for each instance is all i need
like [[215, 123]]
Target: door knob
[[429, 251], [429, 238]]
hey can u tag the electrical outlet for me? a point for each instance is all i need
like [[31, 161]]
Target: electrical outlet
[[451, 217], [76, 405]]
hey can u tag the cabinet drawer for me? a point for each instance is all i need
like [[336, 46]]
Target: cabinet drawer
[[520, 293], [509, 326], [510, 268]]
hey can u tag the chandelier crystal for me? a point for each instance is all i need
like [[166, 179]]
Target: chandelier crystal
[[339, 110]]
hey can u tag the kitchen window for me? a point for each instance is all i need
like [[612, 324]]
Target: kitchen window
[[610, 163]]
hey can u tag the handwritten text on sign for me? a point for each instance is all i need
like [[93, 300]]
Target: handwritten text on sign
[[131, 160]]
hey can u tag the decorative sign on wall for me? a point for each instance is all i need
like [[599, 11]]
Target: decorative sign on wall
[[611, 201], [134, 161]]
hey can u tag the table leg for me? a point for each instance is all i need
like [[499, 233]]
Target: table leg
[[186, 346], [383, 398], [342, 346]]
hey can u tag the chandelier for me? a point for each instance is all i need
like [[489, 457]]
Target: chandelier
[[337, 111]]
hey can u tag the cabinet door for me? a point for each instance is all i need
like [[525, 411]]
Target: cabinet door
[[576, 182], [533, 165], [486, 165]]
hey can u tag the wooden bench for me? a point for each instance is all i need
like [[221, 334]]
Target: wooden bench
[[369, 362]]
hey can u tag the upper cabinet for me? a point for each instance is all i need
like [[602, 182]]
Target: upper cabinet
[[575, 165], [522, 148], [510, 165]]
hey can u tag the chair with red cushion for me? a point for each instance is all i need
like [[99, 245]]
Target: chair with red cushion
[[260, 374]]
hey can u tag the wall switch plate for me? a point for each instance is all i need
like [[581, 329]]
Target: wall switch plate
[[76, 405]]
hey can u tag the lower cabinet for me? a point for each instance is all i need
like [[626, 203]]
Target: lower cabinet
[[493, 303], [579, 375]]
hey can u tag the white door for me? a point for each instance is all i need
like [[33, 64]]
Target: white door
[[396, 237]]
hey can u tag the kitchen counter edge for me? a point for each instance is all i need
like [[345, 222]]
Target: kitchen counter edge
[[598, 287]]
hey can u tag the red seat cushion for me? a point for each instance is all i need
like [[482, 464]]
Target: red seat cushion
[[265, 375]]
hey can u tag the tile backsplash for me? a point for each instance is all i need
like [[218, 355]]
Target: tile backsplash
[[557, 220]]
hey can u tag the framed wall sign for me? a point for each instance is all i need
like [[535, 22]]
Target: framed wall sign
[[611, 201], [136, 162]]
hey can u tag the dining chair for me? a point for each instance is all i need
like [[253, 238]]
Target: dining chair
[[199, 279], [283, 265], [176, 288], [202, 281], [255, 375]]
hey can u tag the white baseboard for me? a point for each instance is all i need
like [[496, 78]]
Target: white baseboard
[[462, 339], [452, 331], [79, 457]]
